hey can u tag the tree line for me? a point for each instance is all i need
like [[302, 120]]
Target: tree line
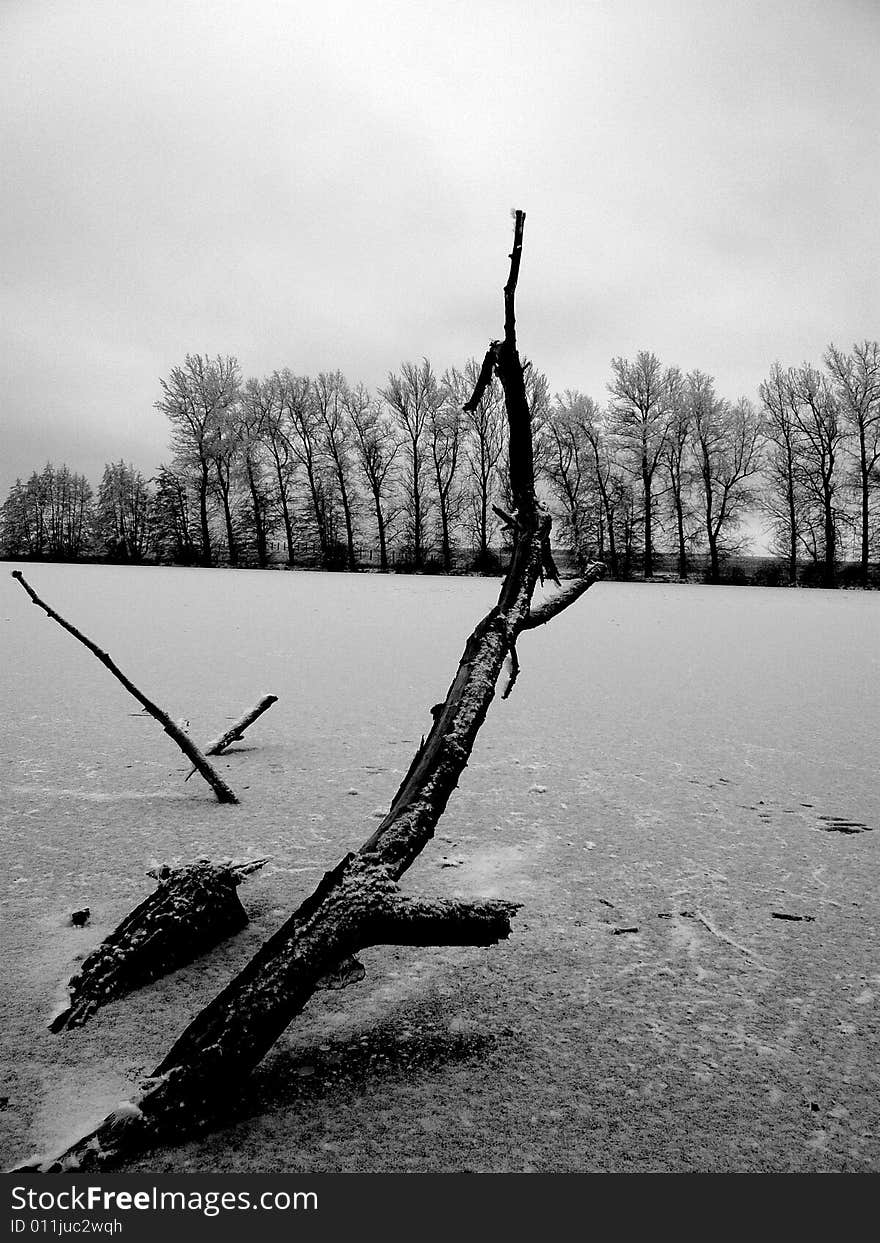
[[319, 469]]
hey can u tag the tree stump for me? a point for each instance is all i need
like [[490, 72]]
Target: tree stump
[[192, 910]]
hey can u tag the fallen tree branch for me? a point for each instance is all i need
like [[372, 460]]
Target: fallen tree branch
[[192, 910], [188, 747], [357, 903], [235, 732]]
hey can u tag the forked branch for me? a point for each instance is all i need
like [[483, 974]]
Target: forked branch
[[358, 902]]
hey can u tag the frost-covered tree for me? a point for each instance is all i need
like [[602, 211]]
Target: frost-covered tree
[[257, 405], [304, 435], [727, 451], [176, 538], [412, 398], [376, 447], [678, 465], [124, 513], [816, 414], [782, 496], [329, 395], [568, 471], [446, 426], [640, 414], [196, 398], [855, 378]]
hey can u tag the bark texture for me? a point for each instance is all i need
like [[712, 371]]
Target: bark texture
[[193, 908]]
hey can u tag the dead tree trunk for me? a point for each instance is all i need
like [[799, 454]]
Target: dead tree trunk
[[186, 744], [358, 903], [192, 910]]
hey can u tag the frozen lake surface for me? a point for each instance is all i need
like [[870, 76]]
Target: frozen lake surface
[[667, 748]]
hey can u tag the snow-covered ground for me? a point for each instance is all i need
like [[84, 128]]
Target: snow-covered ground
[[666, 749]]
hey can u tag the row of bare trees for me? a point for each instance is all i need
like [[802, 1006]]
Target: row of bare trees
[[665, 452], [317, 461], [320, 468], [668, 455], [822, 429], [51, 514]]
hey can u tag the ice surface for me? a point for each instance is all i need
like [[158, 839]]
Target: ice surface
[[692, 747]]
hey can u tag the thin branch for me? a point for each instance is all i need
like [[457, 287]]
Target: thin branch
[[234, 733], [540, 614], [508, 519], [188, 747], [484, 379]]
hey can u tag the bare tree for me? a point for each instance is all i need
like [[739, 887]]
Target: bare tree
[[781, 498], [445, 437], [276, 433], [815, 411], [376, 449], [412, 398], [856, 381], [484, 443], [329, 393], [640, 414], [258, 400], [196, 397], [225, 448], [568, 462], [304, 438], [608, 477], [677, 462], [727, 445]]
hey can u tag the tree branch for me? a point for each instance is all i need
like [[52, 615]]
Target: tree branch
[[540, 614], [357, 903], [484, 379], [188, 747], [423, 921], [513, 277], [234, 733]]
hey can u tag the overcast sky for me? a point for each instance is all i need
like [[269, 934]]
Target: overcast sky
[[329, 185]]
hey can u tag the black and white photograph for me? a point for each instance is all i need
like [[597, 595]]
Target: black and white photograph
[[439, 591]]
